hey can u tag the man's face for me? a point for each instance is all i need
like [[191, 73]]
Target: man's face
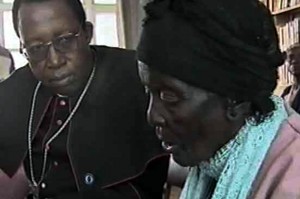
[[190, 122], [293, 58], [42, 22]]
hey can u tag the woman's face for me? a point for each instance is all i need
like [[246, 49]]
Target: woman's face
[[190, 122]]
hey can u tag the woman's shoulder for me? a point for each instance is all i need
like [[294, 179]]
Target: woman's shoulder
[[279, 176], [287, 143]]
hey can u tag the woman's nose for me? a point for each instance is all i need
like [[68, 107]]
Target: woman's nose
[[154, 113]]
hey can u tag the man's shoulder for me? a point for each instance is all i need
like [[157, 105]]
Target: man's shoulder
[[4, 52], [116, 62], [20, 79], [114, 51]]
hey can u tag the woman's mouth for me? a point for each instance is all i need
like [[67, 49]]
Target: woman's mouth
[[167, 144]]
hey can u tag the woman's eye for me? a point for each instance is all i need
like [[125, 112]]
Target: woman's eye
[[169, 96]]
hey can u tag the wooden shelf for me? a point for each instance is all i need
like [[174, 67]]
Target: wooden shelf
[[285, 10]]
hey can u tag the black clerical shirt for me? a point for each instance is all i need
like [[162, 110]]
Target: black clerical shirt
[[58, 179]]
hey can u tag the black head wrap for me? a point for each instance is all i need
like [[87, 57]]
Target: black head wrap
[[229, 47]]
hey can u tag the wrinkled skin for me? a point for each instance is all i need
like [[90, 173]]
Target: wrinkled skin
[[41, 22], [191, 122]]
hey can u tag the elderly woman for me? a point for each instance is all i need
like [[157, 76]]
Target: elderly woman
[[210, 68]]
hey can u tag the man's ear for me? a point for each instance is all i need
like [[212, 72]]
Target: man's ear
[[89, 30], [237, 111]]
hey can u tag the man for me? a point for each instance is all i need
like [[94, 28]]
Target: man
[[6, 63], [291, 94], [75, 115]]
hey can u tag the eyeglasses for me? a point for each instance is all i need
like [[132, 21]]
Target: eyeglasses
[[63, 44]]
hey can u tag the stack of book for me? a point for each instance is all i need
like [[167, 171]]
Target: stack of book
[[275, 5]]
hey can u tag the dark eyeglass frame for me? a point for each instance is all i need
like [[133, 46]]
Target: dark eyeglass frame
[[71, 37]]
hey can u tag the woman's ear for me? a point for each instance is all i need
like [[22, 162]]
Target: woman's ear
[[89, 30], [237, 111]]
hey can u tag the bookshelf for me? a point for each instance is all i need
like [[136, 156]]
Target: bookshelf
[[290, 10], [286, 15]]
